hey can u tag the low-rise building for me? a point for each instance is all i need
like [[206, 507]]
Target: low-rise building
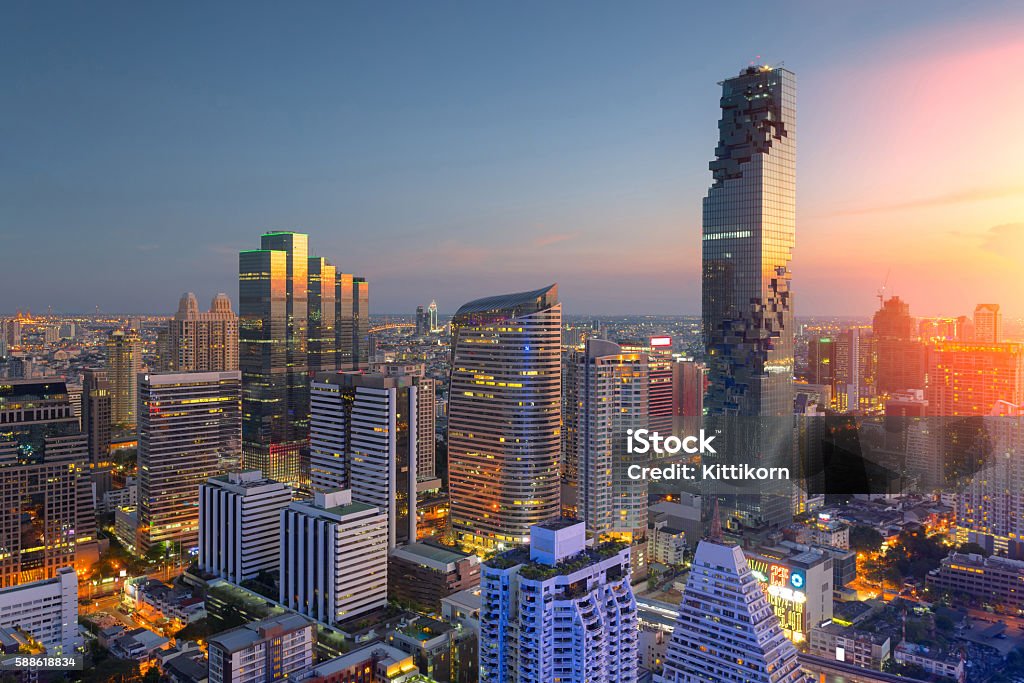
[[139, 644], [994, 579], [444, 652], [47, 610], [931, 659], [267, 650], [866, 649], [372, 663], [666, 544], [422, 574]]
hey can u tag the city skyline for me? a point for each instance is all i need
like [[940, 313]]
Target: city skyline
[[570, 146]]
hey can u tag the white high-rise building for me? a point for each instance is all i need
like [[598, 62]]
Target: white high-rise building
[[605, 394], [47, 610], [558, 611], [240, 524], [726, 630], [366, 432], [334, 557]]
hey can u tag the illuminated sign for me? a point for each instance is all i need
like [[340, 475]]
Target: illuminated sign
[[661, 341], [785, 589]]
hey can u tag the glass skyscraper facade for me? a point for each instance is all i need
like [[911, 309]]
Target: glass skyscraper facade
[[273, 355], [747, 302], [504, 417]]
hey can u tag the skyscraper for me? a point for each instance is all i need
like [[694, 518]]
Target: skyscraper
[[45, 491], [365, 433], [297, 316], [195, 341], [323, 312], [558, 611], [96, 413], [124, 361], [422, 322], [726, 630], [273, 356], [503, 416], [900, 355], [189, 431], [360, 323], [988, 323], [432, 317], [606, 393], [749, 229]]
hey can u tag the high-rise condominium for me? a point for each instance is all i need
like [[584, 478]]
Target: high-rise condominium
[[503, 417], [605, 394], [432, 317], [44, 485], [297, 315], [189, 431], [124, 361], [96, 413], [726, 630], [365, 435], [748, 238], [195, 341], [988, 322], [558, 611]]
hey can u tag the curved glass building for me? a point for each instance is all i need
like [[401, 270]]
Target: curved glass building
[[504, 417]]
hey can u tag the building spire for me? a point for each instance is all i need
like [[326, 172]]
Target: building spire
[[715, 533]]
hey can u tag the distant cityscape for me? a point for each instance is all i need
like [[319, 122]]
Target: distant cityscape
[[284, 484]]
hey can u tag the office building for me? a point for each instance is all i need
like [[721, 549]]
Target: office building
[[558, 611], [273, 649], [988, 323], [435, 326], [749, 232], [240, 524], [273, 356], [365, 435], [422, 322], [899, 354], [195, 341], [866, 649], [605, 393], [726, 630], [189, 431], [995, 580], [47, 610], [966, 379], [124, 362], [797, 582], [360, 324], [45, 492], [334, 557], [504, 415], [323, 312], [689, 381], [96, 413], [853, 378]]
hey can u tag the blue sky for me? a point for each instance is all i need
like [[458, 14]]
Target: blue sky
[[442, 150]]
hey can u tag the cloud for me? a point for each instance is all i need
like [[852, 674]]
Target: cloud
[[1006, 240], [554, 238], [978, 194], [145, 248]]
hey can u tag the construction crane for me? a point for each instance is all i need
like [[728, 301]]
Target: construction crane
[[881, 290]]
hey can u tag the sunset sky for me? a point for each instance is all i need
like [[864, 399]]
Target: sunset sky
[[457, 150]]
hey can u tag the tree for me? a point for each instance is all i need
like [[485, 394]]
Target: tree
[[865, 538], [973, 549]]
